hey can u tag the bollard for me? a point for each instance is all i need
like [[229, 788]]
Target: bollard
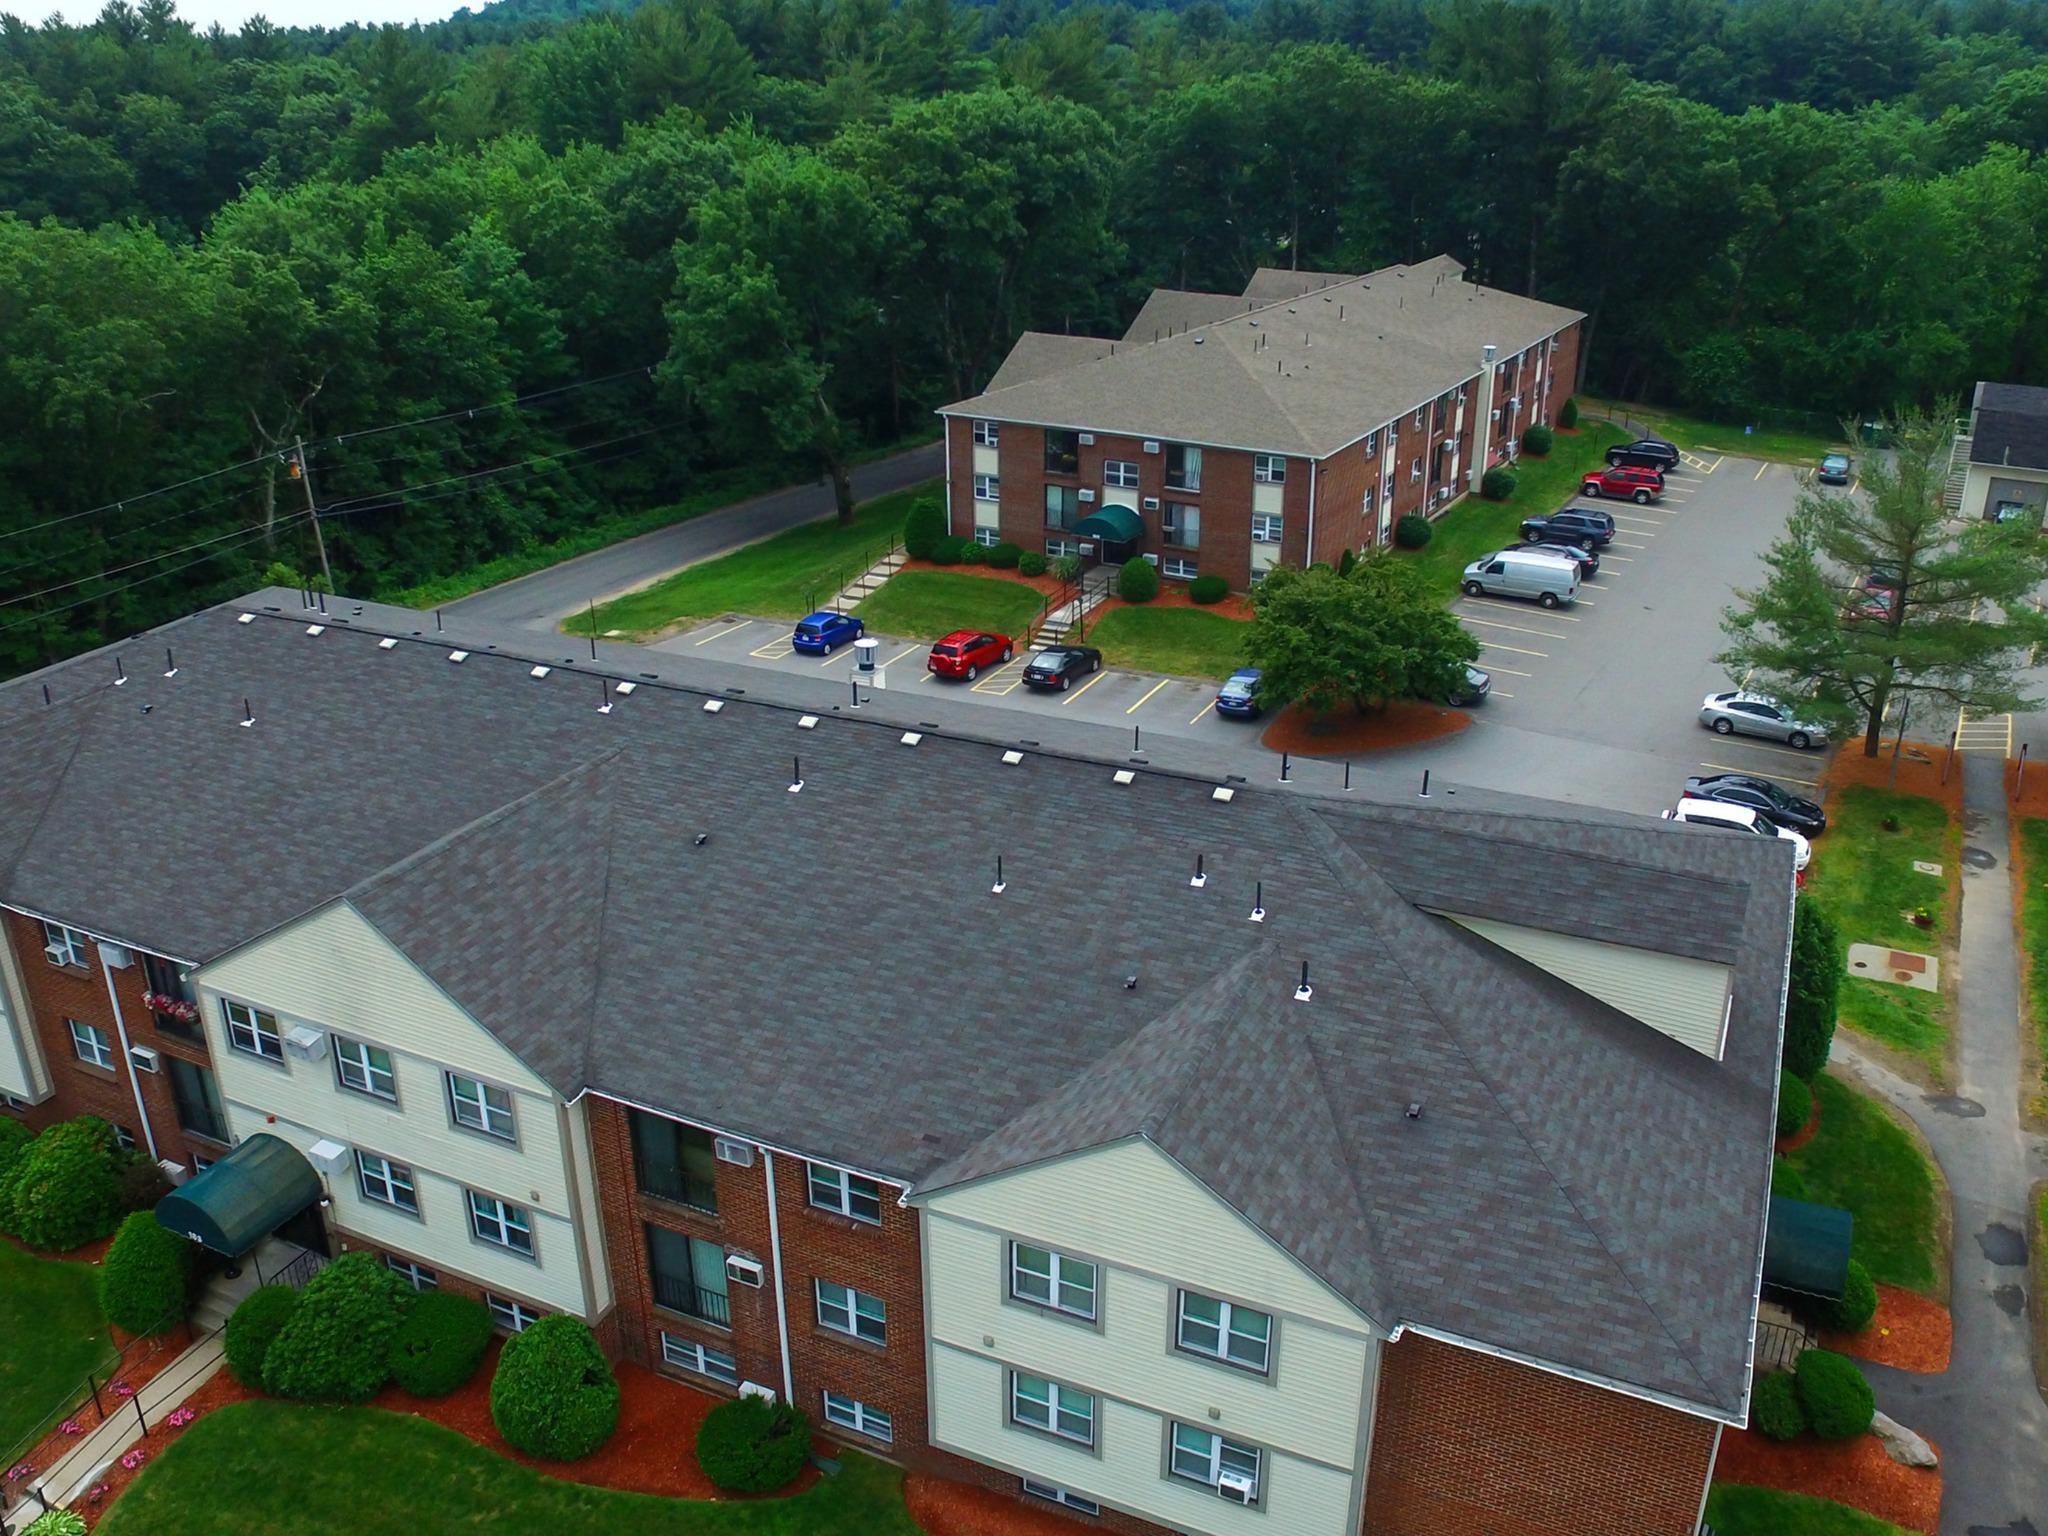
[[1284, 767], [1949, 757], [1425, 784], [2019, 779], [1347, 773]]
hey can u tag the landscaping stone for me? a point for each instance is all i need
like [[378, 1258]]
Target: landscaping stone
[[1901, 1444], [1903, 967]]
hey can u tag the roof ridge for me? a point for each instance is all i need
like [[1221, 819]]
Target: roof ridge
[[604, 917], [1183, 1075]]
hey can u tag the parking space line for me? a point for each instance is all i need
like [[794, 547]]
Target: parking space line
[[1764, 746], [1154, 689], [1510, 671], [1070, 697], [1518, 629], [1731, 768], [900, 655], [1639, 533], [1500, 695], [730, 629], [1488, 602], [1629, 546], [838, 656], [1760, 469], [1495, 645], [1205, 710], [1624, 559], [774, 650], [981, 685]]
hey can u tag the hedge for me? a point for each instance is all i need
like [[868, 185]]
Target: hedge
[[337, 1345], [1004, 556], [1413, 530], [1208, 589], [1795, 1104], [65, 1189], [1838, 1401], [923, 526], [1498, 484], [950, 550], [973, 553], [1857, 1305], [253, 1327], [146, 1281], [1537, 440], [1138, 581], [554, 1395], [1568, 413], [1787, 1181], [139, 1181], [440, 1344], [1813, 989], [1775, 1409], [1030, 563], [747, 1446]]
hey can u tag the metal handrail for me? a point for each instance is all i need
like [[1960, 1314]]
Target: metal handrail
[[94, 1383]]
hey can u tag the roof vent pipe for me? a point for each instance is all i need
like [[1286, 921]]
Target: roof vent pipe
[[796, 775], [1001, 884], [120, 673], [1259, 901], [1486, 354], [1201, 877], [1304, 992], [170, 663]]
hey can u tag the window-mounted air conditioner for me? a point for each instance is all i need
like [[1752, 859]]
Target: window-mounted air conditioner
[[742, 1271], [1236, 1486], [142, 1058], [732, 1150], [1088, 439], [1153, 558], [1150, 446], [306, 1042], [119, 956], [1151, 503], [1086, 494], [57, 954], [755, 1389]]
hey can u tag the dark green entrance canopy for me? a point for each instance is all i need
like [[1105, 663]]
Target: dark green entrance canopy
[[1119, 525], [1806, 1248], [255, 1189]]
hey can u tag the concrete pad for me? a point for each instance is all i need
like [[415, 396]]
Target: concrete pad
[[1902, 967], [1927, 867]]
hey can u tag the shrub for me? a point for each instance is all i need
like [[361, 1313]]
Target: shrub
[[141, 1182], [1787, 1181], [146, 1282], [554, 1395], [337, 1345], [1775, 1409], [1537, 440], [440, 1344], [252, 1328], [973, 553], [746, 1446], [1030, 562], [1413, 531], [1813, 990], [15, 1140], [1138, 581], [65, 1189], [1568, 414], [1211, 588], [1004, 556], [1066, 568], [923, 526], [1498, 484], [1795, 1104], [950, 550], [1837, 1400], [56, 1522], [1857, 1305]]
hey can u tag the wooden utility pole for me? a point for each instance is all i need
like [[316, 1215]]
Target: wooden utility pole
[[305, 479]]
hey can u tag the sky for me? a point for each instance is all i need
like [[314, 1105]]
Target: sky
[[296, 13]]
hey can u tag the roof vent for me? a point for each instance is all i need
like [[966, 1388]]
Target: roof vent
[[1013, 757], [247, 618], [713, 706], [796, 776], [540, 670], [1001, 884], [316, 629], [1224, 793], [1123, 776], [1415, 1110], [248, 715], [1198, 341], [807, 722], [622, 689], [1259, 903], [170, 663], [458, 657], [387, 644], [700, 839], [911, 738], [604, 703], [1304, 992], [1200, 877]]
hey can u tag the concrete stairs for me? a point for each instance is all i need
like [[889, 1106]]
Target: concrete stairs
[[866, 584], [1060, 624], [1958, 471]]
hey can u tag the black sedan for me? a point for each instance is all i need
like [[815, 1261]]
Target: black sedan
[[1650, 452], [1589, 563], [1058, 667], [1776, 805]]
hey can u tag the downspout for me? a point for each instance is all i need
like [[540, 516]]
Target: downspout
[[949, 474], [1707, 1488], [127, 1061], [775, 1256], [585, 1274], [1313, 466]]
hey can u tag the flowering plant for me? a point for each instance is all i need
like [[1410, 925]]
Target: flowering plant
[[98, 1491], [72, 1427], [180, 1417], [20, 1470], [135, 1458], [171, 1007], [122, 1389]]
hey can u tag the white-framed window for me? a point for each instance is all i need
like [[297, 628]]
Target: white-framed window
[[512, 1316], [987, 538], [364, 1068], [988, 488], [987, 433], [689, 1355], [1054, 548], [859, 1417], [1038, 1403], [1418, 414], [1179, 568], [1183, 467], [1180, 527], [1053, 1493], [1224, 1331], [1052, 1279], [252, 1030], [418, 1276], [1122, 473], [501, 1223], [1270, 468], [201, 1164], [1203, 1457], [91, 1044], [1266, 527], [1366, 505], [481, 1107], [845, 1310], [123, 1137], [386, 1182], [66, 946], [1415, 470], [848, 1194]]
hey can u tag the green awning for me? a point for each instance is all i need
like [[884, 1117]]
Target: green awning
[[1120, 525], [252, 1191], [1806, 1248]]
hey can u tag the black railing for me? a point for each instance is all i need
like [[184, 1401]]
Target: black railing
[[299, 1271], [680, 1294], [674, 1183], [203, 1120]]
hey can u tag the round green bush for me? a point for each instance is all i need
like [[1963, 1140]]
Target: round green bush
[[253, 1327], [1005, 556], [146, 1281], [747, 1446], [1787, 1181], [66, 1190], [1208, 589], [337, 1345], [1138, 581], [923, 526], [973, 553], [1568, 414], [950, 550], [1066, 568], [1795, 1105], [142, 1182], [554, 1395], [440, 1344], [56, 1522], [1031, 563], [1838, 1401], [1537, 440], [1852, 1311], [1498, 483], [1413, 530], [1775, 1409]]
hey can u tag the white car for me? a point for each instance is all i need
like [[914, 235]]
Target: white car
[[1740, 818], [1758, 714]]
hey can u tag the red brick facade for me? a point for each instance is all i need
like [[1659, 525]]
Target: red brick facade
[[1468, 1445]]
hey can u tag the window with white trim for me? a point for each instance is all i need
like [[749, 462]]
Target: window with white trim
[[1415, 470], [1048, 1278], [1121, 473], [1179, 568], [848, 1413], [1183, 467], [689, 1355], [988, 488], [123, 1137], [364, 1068], [987, 537], [1180, 526], [1224, 1331], [500, 1223], [855, 1313], [1269, 468], [66, 945], [1266, 527], [1201, 1456], [1053, 1493], [1055, 548], [512, 1316], [386, 1182], [1418, 414], [480, 1106], [847, 1194], [987, 433], [1372, 443], [91, 1044], [418, 1276], [1366, 505], [1042, 1404], [253, 1031]]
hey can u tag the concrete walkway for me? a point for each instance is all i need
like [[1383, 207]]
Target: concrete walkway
[[1984, 1411]]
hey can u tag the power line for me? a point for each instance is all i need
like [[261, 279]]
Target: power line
[[65, 586], [407, 500], [122, 504], [125, 533], [248, 535], [349, 504]]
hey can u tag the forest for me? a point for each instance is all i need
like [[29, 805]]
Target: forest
[[518, 273]]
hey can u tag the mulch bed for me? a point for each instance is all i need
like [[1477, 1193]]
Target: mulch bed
[[1919, 771], [1910, 1331], [1853, 1472], [134, 1372], [1346, 733], [1805, 1133], [1046, 584], [1172, 594], [944, 1508], [219, 1391]]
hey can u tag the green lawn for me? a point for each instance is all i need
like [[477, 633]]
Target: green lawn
[[1185, 642], [1697, 435], [1864, 875], [932, 603], [1734, 1509], [1476, 527], [272, 1466], [780, 578], [51, 1335], [2033, 877], [1866, 1162]]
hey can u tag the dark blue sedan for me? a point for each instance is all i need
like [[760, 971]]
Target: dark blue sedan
[[823, 633], [1239, 694]]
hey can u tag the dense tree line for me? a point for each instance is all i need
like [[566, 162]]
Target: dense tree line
[[507, 273]]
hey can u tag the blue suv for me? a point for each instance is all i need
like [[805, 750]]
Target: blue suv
[[823, 633]]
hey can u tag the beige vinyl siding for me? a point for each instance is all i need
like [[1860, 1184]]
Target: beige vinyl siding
[[22, 1072], [585, 1169], [1675, 995]]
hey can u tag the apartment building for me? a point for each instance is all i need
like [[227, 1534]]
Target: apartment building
[[1226, 434], [1265, 1194]]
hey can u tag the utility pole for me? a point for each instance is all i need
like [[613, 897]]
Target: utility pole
[[305, 478]]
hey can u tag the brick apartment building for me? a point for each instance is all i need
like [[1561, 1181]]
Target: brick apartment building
[[1149, 1228], [1226, 434]]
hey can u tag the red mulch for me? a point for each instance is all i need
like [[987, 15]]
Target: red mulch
[[1910, 1331], [148, 1358], [1345, 732], [217, 1392], [1805, 1133], [944, 1508], [1853, 1472], [1919, 771], [85, 1253], [1046, 584], [1172, 594]]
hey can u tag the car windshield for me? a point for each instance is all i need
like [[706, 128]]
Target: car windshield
[[1237, 688], [1049, 660], [945, 650]]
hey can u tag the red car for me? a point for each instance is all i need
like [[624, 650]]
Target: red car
[[1639, 485], [965, 652]]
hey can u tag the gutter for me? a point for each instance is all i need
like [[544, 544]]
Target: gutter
[[127, 1061], [894, 1181], [775, 1255], [98, 937], [1570, 1373]]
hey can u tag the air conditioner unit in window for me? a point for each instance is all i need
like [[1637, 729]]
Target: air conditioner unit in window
[[174, 1173], [1150, 446], [1151, 503], [1154, 559], [119, 956], [730, 1150], [743, 1271], [1515, 403], [57, 954], [755, 1389], [1086, 494], [328, 1155], [306, 1042], [142, 1058], [1237, 1487], [1088, 439]]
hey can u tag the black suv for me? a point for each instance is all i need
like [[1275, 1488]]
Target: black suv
[[1648, 452], [1574, 525]]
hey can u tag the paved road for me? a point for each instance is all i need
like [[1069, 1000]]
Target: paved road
[[544, 599]]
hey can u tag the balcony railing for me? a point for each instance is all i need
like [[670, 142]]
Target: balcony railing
[[203, 1120], [692, 1300], [674, 1184]]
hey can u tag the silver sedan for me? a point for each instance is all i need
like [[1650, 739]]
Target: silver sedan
[[1757, 714]]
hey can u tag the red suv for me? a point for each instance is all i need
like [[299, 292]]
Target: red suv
[[1638, 484], [965, 652]]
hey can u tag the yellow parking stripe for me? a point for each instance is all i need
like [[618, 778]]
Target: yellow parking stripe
[[731, 629], [1074, 694], [1760, 470], [1154, 689], [1205, 710]]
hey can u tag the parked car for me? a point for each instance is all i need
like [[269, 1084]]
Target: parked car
[[1586, 527], [1058, 666], [1476, 687], [1757, 714], [1239, 694], [1632, 481], [1779, 804], [822, 633], [1647, 452], [1552, 580], [1740, 818], [1834, 469], [1873, 603], [965, 652], [1589, 563]]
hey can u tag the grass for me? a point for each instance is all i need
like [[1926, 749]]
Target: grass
[[1734, 1509], [2032, 839], [51, 1335], [1476, 527], [270, 1466], [1184, 642], [780, 578], [1698, 435], [1864, 1161], [933, 603]]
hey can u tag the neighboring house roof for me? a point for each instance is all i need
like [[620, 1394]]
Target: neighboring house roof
[[1169, 310], [1274, 285], [2009, 429], [1038, 354], [636, 905]]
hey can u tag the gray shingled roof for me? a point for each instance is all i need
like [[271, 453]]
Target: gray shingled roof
[[1038, 354], [829, 971], [1168, 310]]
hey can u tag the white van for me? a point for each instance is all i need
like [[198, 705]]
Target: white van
[[1552, 580], [1740, 818]]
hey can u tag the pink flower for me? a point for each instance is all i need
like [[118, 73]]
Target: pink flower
[[99, 1491], [20, 1470], [134, 1458], [180, 1417], [122, 1389], [72, 1427]]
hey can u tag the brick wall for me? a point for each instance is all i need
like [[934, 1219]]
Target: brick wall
[[1468, 1445], [1565, 368], [1341, 520]]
